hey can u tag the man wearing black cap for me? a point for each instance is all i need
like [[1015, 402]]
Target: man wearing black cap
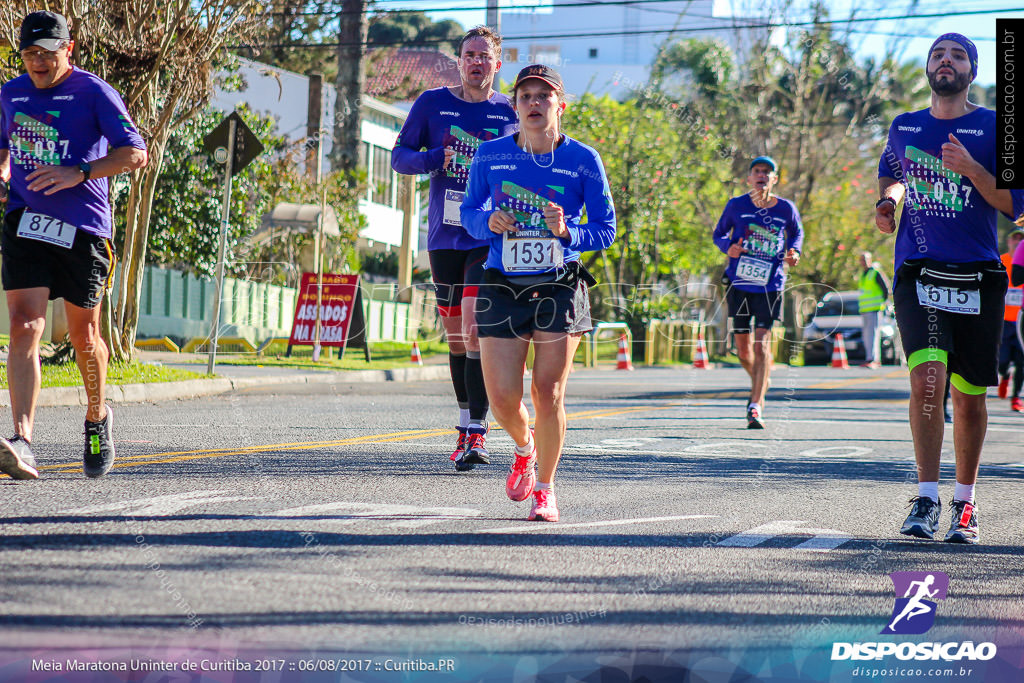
[[949, 284], [762, 234], [63, 132]]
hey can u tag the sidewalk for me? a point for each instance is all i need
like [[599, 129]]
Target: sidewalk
[[232, 378]]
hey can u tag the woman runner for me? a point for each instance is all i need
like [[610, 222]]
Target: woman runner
[[527, 196]]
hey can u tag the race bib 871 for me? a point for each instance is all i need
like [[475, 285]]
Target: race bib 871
[[43, 228]]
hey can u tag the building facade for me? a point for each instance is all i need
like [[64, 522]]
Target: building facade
[[616, 44]]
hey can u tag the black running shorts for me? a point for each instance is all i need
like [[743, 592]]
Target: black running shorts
[[763, 307], [78, 275], [971, 340], [1009, 348], [508, 310], [456, 273]]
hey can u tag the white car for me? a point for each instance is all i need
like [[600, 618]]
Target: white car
[[838, 312]]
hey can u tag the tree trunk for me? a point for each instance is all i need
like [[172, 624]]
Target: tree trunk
[[133, 271], [349, 87]]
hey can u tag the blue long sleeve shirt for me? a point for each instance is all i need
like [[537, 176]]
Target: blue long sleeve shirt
[[439, 119], [504, 176], [767, 234]]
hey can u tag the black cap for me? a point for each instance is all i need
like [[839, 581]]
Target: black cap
[[544, 73], [45, 29]]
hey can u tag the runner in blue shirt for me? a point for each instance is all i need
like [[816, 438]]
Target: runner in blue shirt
[[949, 283], [539, 199], [449, 124], [63, 132], [762, 234]]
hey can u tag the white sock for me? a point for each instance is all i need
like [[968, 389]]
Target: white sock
[[527, 449], [928, 489], [541, 487], [756, 406], [463, 417], [964, 492]]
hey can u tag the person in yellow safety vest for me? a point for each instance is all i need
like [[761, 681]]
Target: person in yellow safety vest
[[1010, 351], [874, 292]]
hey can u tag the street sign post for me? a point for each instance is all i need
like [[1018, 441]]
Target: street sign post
[[233, 144]]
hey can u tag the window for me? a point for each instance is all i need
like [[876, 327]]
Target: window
[[593, 53], [382, 179], [511, 55], [551, 55]]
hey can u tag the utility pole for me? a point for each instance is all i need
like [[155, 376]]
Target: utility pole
[[349, 86], [315, 146], [314, 122], [493, 17]]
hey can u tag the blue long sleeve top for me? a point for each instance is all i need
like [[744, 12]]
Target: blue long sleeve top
[[767, 234], [504, 176]]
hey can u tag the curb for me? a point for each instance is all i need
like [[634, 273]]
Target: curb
[[195, 388]]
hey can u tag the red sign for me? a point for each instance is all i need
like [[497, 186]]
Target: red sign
[[337, 303]]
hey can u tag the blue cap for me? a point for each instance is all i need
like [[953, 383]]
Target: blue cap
[[965, 43], [765, 160]]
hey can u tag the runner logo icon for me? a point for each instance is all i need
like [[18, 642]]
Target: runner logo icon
[[916, 596]]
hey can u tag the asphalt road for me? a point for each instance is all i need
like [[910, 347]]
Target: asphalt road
[[327, 518]]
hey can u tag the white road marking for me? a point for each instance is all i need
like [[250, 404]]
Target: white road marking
[[162, 505], [838, 451], [823, 539], [539, 526], [735, 447], [616, 444], [402, 516]]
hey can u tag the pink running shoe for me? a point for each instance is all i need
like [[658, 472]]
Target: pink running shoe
[[545, 507], [522, 476]]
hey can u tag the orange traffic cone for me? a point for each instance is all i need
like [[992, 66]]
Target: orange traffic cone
[[416, 359], [622, 360], [700, 353], [839, 353]]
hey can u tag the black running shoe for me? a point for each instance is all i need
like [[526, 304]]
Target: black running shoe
[[923, 519], [964, 526], [475, 453], [754, 417], [16, 459], [99, 447]]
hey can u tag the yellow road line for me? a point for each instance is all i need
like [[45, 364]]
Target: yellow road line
[[304, 445], [840, 384], [183, 456]]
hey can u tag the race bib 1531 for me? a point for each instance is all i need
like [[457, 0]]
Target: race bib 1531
[[531, 251]]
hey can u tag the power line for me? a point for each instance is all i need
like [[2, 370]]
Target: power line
[[583, 3], [642, 32]]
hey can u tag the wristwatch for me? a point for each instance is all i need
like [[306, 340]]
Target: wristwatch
[[86, 169], [886, 199]]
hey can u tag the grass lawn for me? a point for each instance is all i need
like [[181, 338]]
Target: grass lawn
[[67, 375]]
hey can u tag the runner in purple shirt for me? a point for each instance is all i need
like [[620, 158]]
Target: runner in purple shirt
[[444, 129], [762, 234], [949, 283], [63, 132]]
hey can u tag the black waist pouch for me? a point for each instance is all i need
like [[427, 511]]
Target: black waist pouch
[[568, 276], [964, 276]]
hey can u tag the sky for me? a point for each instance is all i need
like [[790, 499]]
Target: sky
[[869, 39]]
